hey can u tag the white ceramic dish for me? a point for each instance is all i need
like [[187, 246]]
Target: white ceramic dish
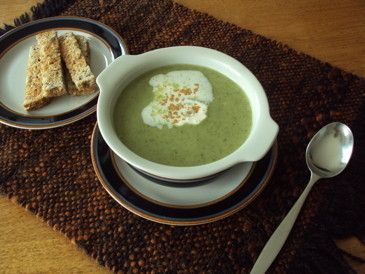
[[126, 68], [105, 45], [184, 204], [198, 195]]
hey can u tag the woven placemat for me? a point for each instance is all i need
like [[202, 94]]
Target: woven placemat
[[50, 172]]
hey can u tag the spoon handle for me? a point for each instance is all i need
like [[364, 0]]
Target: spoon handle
[[278, 238]]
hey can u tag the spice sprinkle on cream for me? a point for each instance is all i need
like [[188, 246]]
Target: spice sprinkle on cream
[[179, 97]]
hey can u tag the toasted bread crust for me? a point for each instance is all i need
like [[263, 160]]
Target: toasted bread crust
[[51, 65], [77, 65], [34, 98], [84, 47]]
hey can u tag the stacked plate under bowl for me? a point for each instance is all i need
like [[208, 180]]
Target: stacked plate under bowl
[[175, 203]]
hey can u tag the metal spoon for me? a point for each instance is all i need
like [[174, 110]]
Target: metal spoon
[[327, 155]]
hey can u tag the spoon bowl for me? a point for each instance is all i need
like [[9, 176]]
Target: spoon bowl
[[330, 150]]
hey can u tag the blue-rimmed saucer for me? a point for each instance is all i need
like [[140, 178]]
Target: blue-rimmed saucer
[[168, 203], [105, 45]]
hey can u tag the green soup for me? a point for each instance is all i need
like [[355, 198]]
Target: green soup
[[225, 128]]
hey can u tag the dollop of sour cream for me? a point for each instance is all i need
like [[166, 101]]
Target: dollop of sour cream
[[179, 97]]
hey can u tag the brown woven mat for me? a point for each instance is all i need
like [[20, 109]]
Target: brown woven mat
[[50, 172]]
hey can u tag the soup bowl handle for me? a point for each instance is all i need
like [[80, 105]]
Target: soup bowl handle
[[109, 78], [256, 148]]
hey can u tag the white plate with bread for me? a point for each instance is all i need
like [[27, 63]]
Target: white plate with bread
[[48, 69]]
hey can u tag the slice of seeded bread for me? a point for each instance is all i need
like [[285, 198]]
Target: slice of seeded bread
[[34, 98], [51, 65], [85, 51], [77, 65]]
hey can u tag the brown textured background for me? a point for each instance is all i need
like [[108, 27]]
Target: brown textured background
[[313, 94]]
